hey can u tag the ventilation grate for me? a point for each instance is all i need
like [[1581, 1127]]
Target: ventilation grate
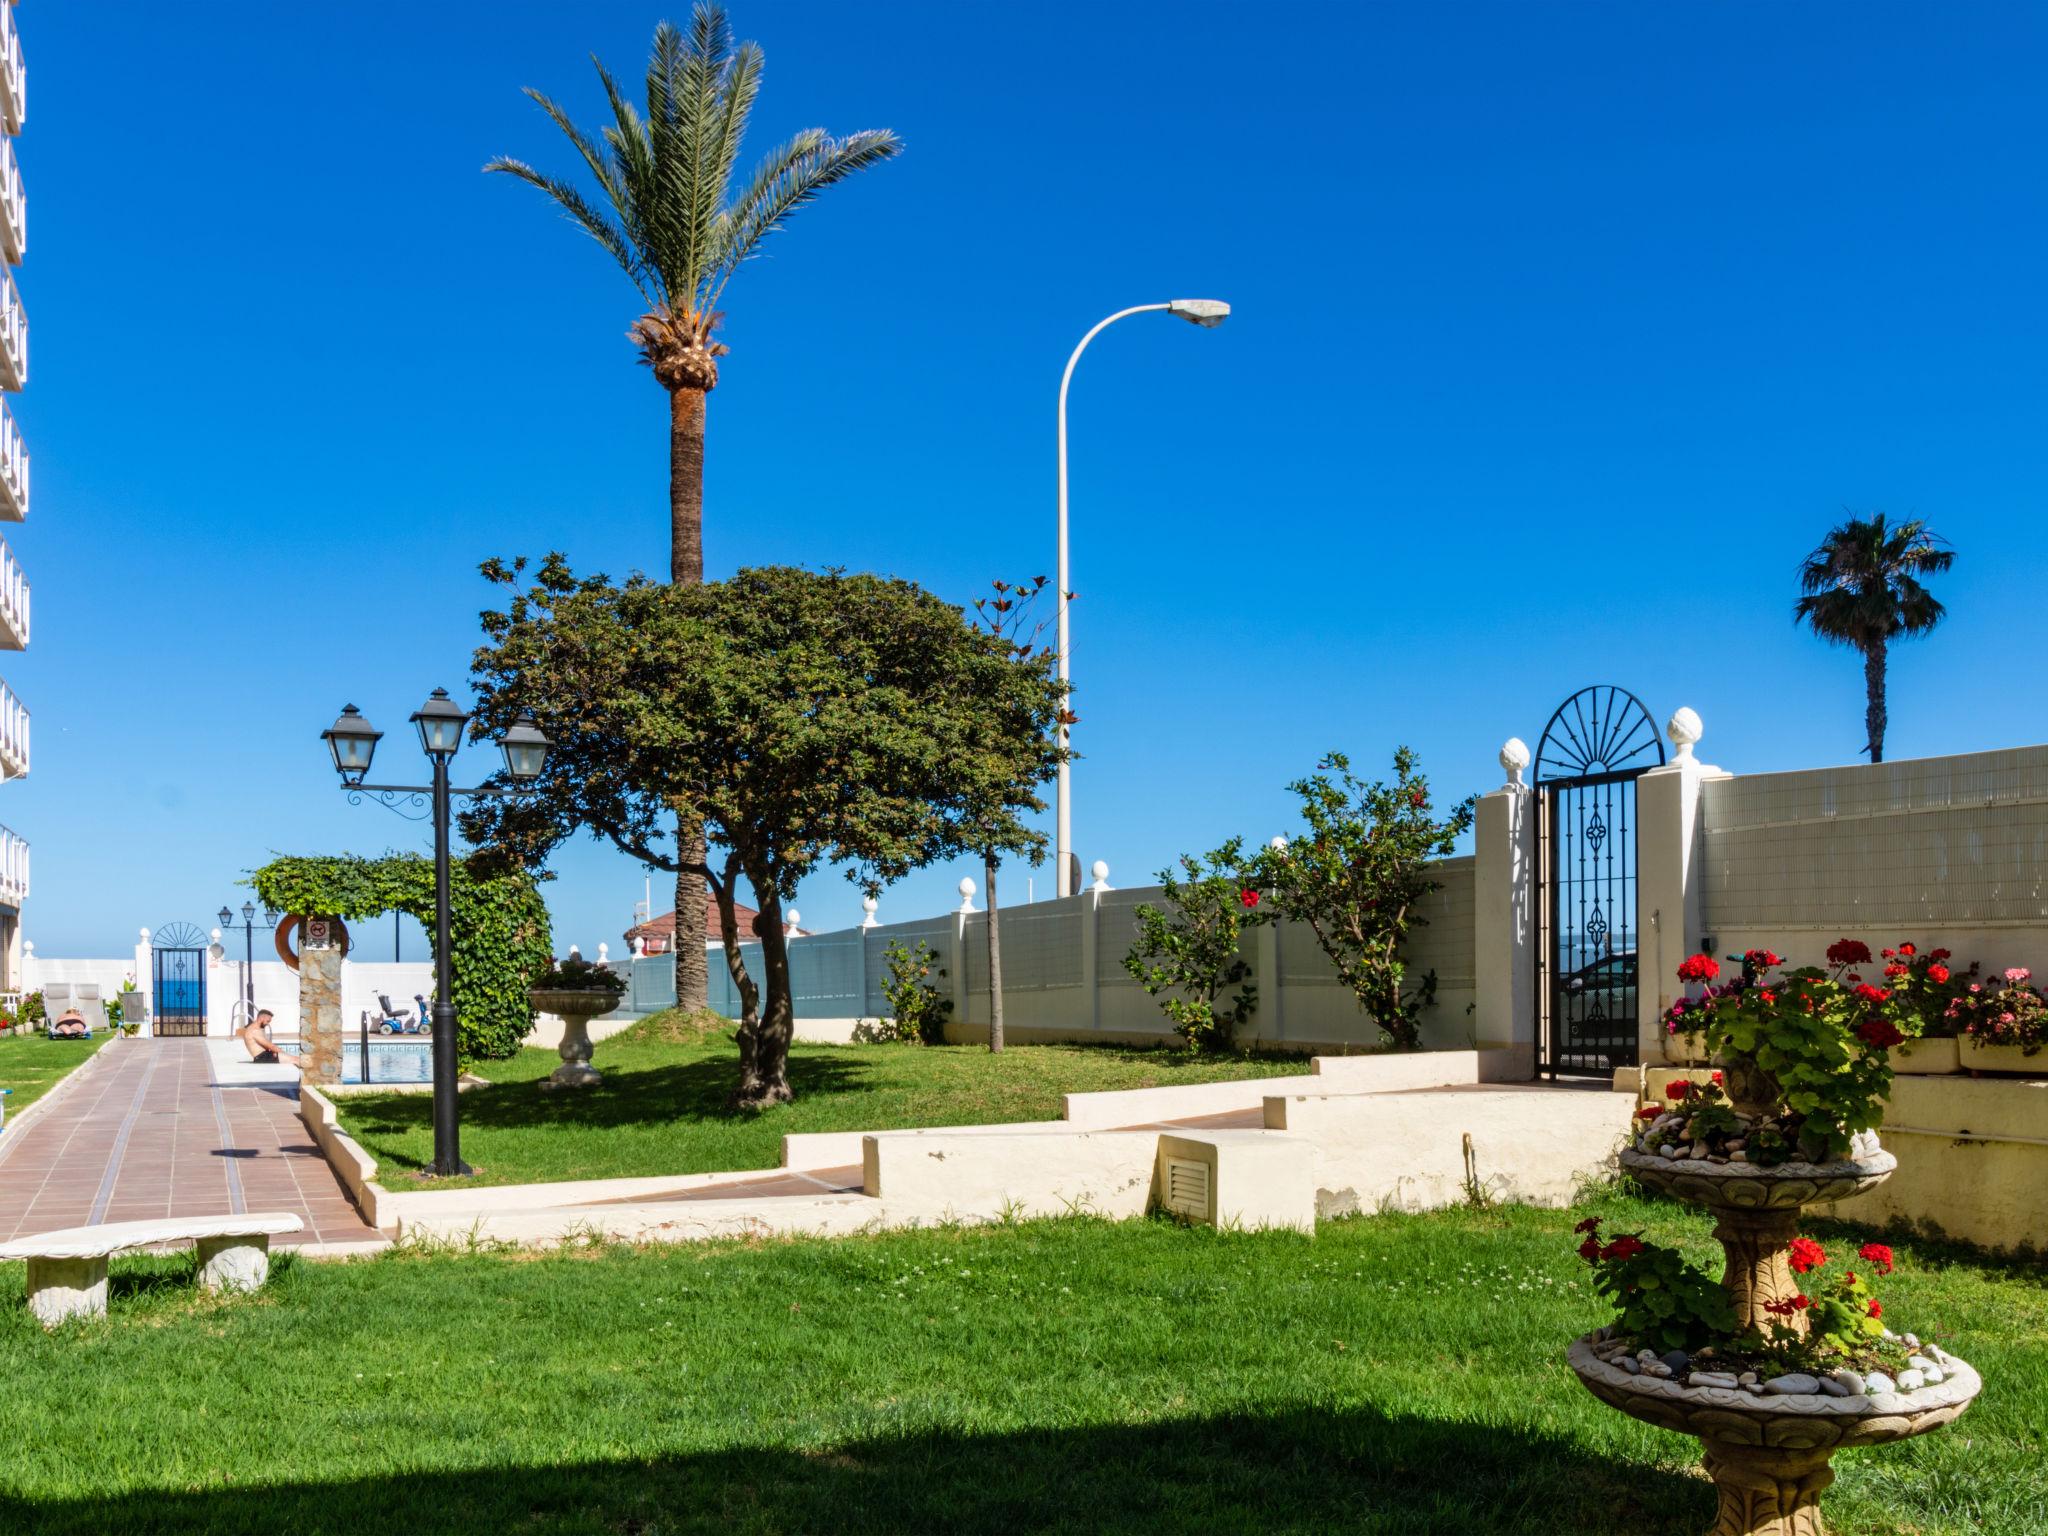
[[1187, 1187]]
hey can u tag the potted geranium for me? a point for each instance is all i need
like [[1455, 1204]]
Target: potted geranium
[[1920, 987], [576, 991], [2004, 1025]]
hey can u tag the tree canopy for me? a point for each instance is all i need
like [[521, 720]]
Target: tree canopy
[[803, 717]]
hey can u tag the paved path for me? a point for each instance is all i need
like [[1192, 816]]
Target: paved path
[[172, 1128]]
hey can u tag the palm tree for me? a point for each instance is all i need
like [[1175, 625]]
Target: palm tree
[[1862, 588], [670, 214]]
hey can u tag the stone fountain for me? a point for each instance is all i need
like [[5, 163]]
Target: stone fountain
[[1768, 1449]]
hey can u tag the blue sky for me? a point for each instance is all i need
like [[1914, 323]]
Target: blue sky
[[1561, 333]]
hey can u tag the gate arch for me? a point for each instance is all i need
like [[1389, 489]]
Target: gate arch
[[178, 992], [1597, 744]]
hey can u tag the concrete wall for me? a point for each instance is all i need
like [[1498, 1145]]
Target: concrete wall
[[1064, 976]]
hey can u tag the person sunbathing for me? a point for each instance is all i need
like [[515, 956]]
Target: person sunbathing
[[262, 1049], [70, 1025]]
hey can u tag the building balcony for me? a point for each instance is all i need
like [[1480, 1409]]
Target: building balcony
[[13, 72], [13, 470], [13, 867], [13, 735], [13, 602], [13, 327], [13, 207]]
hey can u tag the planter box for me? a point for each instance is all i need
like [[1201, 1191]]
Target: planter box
[[1977, 1057], [1926, 1056]]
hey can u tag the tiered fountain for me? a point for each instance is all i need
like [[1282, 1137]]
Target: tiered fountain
[[1767, 1445]]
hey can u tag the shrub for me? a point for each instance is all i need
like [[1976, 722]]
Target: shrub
[[577, 974], [918, 1012], [32, 1008], [1658, 1297], [2012, 1014], [1187, 953]]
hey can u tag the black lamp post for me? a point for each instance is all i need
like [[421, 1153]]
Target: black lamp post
[[440, 721], [227, 923]]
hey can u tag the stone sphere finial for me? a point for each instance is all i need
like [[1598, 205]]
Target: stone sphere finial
[[966, 893], [604, 954], [1685, 731], [1514, 757], [867, 910], [796, 921], [1100, 870], [145, 935]]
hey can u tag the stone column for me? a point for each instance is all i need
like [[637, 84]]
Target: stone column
[[1669, 879], [320, 1021], [1504, 915]]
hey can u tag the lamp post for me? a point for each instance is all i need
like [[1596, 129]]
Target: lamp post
[[227, 922], [440, 721], [1207, 313]]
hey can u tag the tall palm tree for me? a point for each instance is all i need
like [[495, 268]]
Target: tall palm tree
[[669, 212], [1862, 588]]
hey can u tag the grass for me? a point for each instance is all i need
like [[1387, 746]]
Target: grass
[[1392, 1375], [662, 1106], [31, 1065]]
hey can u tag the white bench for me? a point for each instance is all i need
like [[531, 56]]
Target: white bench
[[67, 1269]]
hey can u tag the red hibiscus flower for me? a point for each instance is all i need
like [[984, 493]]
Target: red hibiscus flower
[[1848, 952], [1249, 897], [1623, 1247], [1881, 1033], [1805, 1254], [1699, 968], [1878, 1254]]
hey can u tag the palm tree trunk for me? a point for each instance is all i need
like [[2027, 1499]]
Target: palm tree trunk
[[686, 568], [995, 963], [686, 486], [1873, 707]]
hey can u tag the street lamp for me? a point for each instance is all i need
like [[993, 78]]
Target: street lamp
[[1207, 313], [440, 721], [227, 922]]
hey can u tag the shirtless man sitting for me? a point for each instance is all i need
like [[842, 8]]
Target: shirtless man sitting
[[262, 1049]]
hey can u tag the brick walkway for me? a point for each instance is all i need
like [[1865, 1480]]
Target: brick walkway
[[163, 1128]]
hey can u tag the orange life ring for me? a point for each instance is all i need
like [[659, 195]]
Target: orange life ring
[[288, 925]]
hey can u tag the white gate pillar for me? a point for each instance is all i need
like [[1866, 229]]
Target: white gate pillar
[[1669, 879], [1504, 916]]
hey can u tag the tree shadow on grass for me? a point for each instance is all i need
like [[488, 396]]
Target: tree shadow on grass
[[1356, 1471]]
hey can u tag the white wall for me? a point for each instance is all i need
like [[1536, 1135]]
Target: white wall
[[276, 986]]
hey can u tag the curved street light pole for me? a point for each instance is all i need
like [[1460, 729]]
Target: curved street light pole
[[1207, 313]]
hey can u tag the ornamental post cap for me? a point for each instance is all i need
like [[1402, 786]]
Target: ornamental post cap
[[1685, 730], [1100, 870], [966, 889], [1514, 757]]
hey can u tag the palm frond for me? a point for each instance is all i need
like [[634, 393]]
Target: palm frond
[[738, 88], [627, 136], [789, 178], [584, 214], [593, 155]]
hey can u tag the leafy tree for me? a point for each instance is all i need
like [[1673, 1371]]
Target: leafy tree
[[1188, 951], [1356, 875], [1862, 588], [992, 776], [670, 214], [802, 717]]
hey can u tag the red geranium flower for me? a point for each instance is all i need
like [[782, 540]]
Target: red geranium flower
[[1648, 1112], [1249, 897], [1848, 952], [1908, 951], [1623, 1247], [1805, 1254], [1589, 1250], [1717, 1079], [1699, 968], [1938, 973], [1878, 1254], [1767, 995], [1938, 954], [1896, 970], [1869, 994], [1881, 1033], [1675, 1089], [1889, 953], [1590, 1224], [1876, 1310]]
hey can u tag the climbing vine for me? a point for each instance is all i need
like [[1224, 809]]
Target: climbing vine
[[498, 924]]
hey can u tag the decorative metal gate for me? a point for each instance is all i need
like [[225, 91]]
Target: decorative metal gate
[[178, 957], [1597, 744]]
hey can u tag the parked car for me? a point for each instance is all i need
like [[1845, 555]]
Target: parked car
[[1602, 995]]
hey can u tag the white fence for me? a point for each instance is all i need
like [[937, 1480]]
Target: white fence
[[1064, 976], [276, 987]]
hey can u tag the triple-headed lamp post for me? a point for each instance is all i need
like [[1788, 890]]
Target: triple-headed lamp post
[[440, 721]]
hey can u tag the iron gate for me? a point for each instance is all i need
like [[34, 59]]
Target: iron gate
[[1596, 746], [178, 957]]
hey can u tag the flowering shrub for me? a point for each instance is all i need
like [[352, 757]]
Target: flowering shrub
[[1187, 952], [2012, 1014], [1844, 1319], [1920, 988], [1803, 1047], [1658, 1297]]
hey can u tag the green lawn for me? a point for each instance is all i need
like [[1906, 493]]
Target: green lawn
[[1391, 1375], [30, 1065], [662, 1106]]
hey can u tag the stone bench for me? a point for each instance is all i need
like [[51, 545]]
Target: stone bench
[[67, 1269]]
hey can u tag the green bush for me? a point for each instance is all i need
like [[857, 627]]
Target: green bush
[[917, 1009]]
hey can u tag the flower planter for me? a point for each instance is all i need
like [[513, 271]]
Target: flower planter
[[1926, 1056], [1976, 1056], [575, 1008]]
